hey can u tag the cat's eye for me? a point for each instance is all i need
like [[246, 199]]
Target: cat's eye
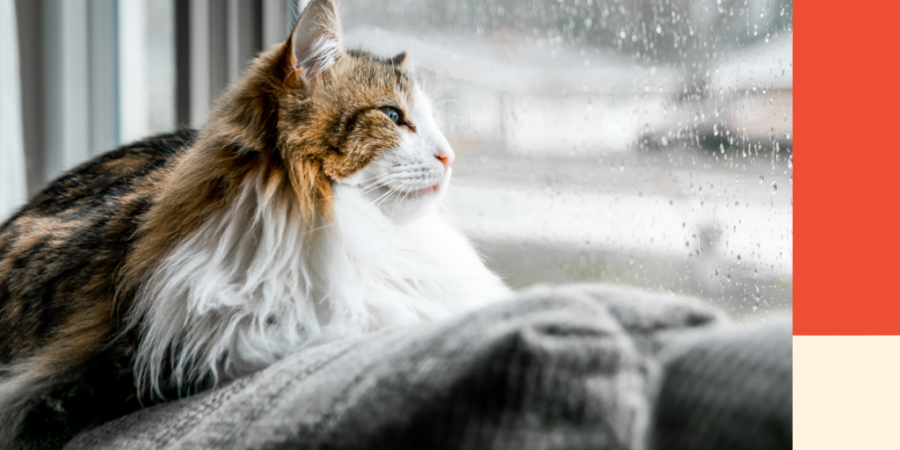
[[393, 114]]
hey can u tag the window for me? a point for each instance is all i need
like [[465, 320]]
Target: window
[[639, 142]]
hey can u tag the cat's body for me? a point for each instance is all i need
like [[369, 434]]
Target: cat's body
[[304, 211]]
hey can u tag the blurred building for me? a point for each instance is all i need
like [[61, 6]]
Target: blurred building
[[575, 103], [756, 86]]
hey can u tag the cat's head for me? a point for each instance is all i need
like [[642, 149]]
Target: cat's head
[[358, 121]]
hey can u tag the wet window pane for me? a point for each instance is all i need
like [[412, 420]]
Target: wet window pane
[[644, 143]]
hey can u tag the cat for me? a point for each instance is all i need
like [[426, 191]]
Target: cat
[[307, 209]]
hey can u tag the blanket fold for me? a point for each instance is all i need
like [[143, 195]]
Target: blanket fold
[[577, 367]]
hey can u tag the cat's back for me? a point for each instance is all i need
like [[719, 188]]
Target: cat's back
[[59, 253], [106, 177]]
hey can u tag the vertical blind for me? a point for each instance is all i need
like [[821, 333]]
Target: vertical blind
[[91, 75], [12, 164]]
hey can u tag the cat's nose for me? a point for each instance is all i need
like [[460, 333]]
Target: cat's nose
[[445, 156]]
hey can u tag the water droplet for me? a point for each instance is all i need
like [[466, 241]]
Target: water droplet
[[658, 29], [622, 34], [739, 259], [774, 187], [761, 179]]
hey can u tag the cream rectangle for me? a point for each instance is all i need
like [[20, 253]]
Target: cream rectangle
[[846, 392]]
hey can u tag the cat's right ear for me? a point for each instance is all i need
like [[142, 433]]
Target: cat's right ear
[[316, 41]]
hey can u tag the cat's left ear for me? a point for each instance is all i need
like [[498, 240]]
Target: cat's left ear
[[399, 60], [316, 40]]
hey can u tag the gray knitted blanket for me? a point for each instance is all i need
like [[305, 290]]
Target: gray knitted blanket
[[581, 367]]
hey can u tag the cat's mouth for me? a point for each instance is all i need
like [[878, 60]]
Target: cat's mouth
[[425, 191], [387, 190]]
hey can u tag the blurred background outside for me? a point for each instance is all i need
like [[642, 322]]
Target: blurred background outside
[[636, 142]]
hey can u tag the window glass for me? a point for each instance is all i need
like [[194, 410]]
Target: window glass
[[639, 142]]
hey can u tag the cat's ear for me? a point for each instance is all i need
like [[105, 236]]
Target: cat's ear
[[400, 59], [316, 40]]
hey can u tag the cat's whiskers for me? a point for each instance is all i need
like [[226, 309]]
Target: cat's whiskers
[[380, 182], [373, 187], [399, 190], [378, 200], [377, 178], [403, 201]]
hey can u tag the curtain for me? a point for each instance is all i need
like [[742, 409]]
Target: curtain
[[12, 157]]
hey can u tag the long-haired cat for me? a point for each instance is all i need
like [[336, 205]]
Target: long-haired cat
[[306, 210]]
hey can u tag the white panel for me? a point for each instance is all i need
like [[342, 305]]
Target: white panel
[[244, 33], [273, 20], [159, 60], [234, 35], [103, 67], [133, 101], [66, 65], [12, 169], [200, 95]]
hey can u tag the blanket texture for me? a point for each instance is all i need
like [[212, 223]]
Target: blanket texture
[[579, 367]]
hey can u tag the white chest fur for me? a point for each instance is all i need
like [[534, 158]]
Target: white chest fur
[[250, 287]]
